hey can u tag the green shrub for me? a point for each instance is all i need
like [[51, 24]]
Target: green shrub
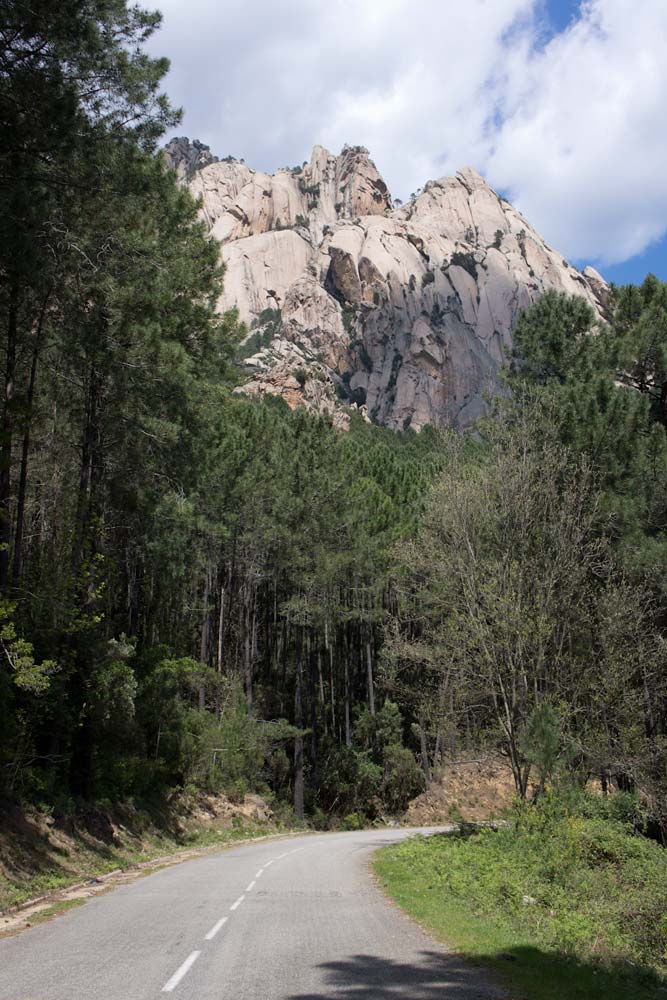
[[349, 319], [354, 821], [318, 819], [466, 261], [237, 790], [402, 779], [350, 781], [541, 742]]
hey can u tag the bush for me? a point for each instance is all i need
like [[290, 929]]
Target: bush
[[354, 821], [350, 782], [390, 765], [237, 790], [402, 779]]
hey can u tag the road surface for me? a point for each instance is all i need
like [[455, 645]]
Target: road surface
[[290, 919]]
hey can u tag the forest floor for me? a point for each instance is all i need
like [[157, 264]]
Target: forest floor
[[48, 864]]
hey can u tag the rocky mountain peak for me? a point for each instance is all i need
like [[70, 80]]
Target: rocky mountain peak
[[238, 202], [186, 157], [404, 312]]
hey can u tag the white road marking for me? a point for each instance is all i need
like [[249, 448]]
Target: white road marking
[[251, 886], [214, 930], [259, 873], [238, 902], [269, 862], [178, 975]]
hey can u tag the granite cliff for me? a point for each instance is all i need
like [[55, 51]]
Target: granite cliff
[[405, 311]]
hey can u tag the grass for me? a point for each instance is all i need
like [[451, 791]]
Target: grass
[[560, 905], [56, 910]]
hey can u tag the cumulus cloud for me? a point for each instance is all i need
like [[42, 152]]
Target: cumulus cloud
[[582, 146], [569, 125]]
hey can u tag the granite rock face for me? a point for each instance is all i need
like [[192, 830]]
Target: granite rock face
[[405, 312], [186, 157]]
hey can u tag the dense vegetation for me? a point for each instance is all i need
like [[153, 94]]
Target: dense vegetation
[[201, 591], [566, 902], [533, 602], [192, 586]]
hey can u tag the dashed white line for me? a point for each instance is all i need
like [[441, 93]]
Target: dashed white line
[[183, 969], [214, 930], [180, 972]]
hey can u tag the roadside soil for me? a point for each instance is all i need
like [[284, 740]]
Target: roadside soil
[[472, 791], [49, 863]]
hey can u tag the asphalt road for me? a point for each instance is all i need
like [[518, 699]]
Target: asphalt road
[[292, 919]]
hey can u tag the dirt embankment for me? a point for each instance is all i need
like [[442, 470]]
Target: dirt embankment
[[473, 791], [54, 861]]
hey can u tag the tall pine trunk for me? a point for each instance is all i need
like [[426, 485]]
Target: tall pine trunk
[[346, 693], [369, 671], [6, 443], [87, 545], [25, 450], [298, 721]]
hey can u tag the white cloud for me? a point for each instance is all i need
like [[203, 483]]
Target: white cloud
[[574, 129], [583, 146]]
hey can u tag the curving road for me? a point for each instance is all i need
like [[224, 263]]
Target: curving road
[[292, 919]]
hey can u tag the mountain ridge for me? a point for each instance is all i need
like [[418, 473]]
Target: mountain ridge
[[354, 301]]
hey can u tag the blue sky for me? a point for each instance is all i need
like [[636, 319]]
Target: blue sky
[[559, 104], [562, 12], [635, 269]]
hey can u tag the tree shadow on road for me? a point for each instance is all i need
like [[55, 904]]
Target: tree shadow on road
[[433, 977], [526, 972]]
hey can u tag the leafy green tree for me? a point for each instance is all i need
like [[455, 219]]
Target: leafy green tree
[[553, 337], [639, 339], [509, 577], [602, 392]]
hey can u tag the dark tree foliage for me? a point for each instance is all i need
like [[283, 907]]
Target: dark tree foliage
[[180, 569]]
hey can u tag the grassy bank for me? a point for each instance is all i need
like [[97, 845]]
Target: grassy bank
[[40, 854], [563, 904]]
